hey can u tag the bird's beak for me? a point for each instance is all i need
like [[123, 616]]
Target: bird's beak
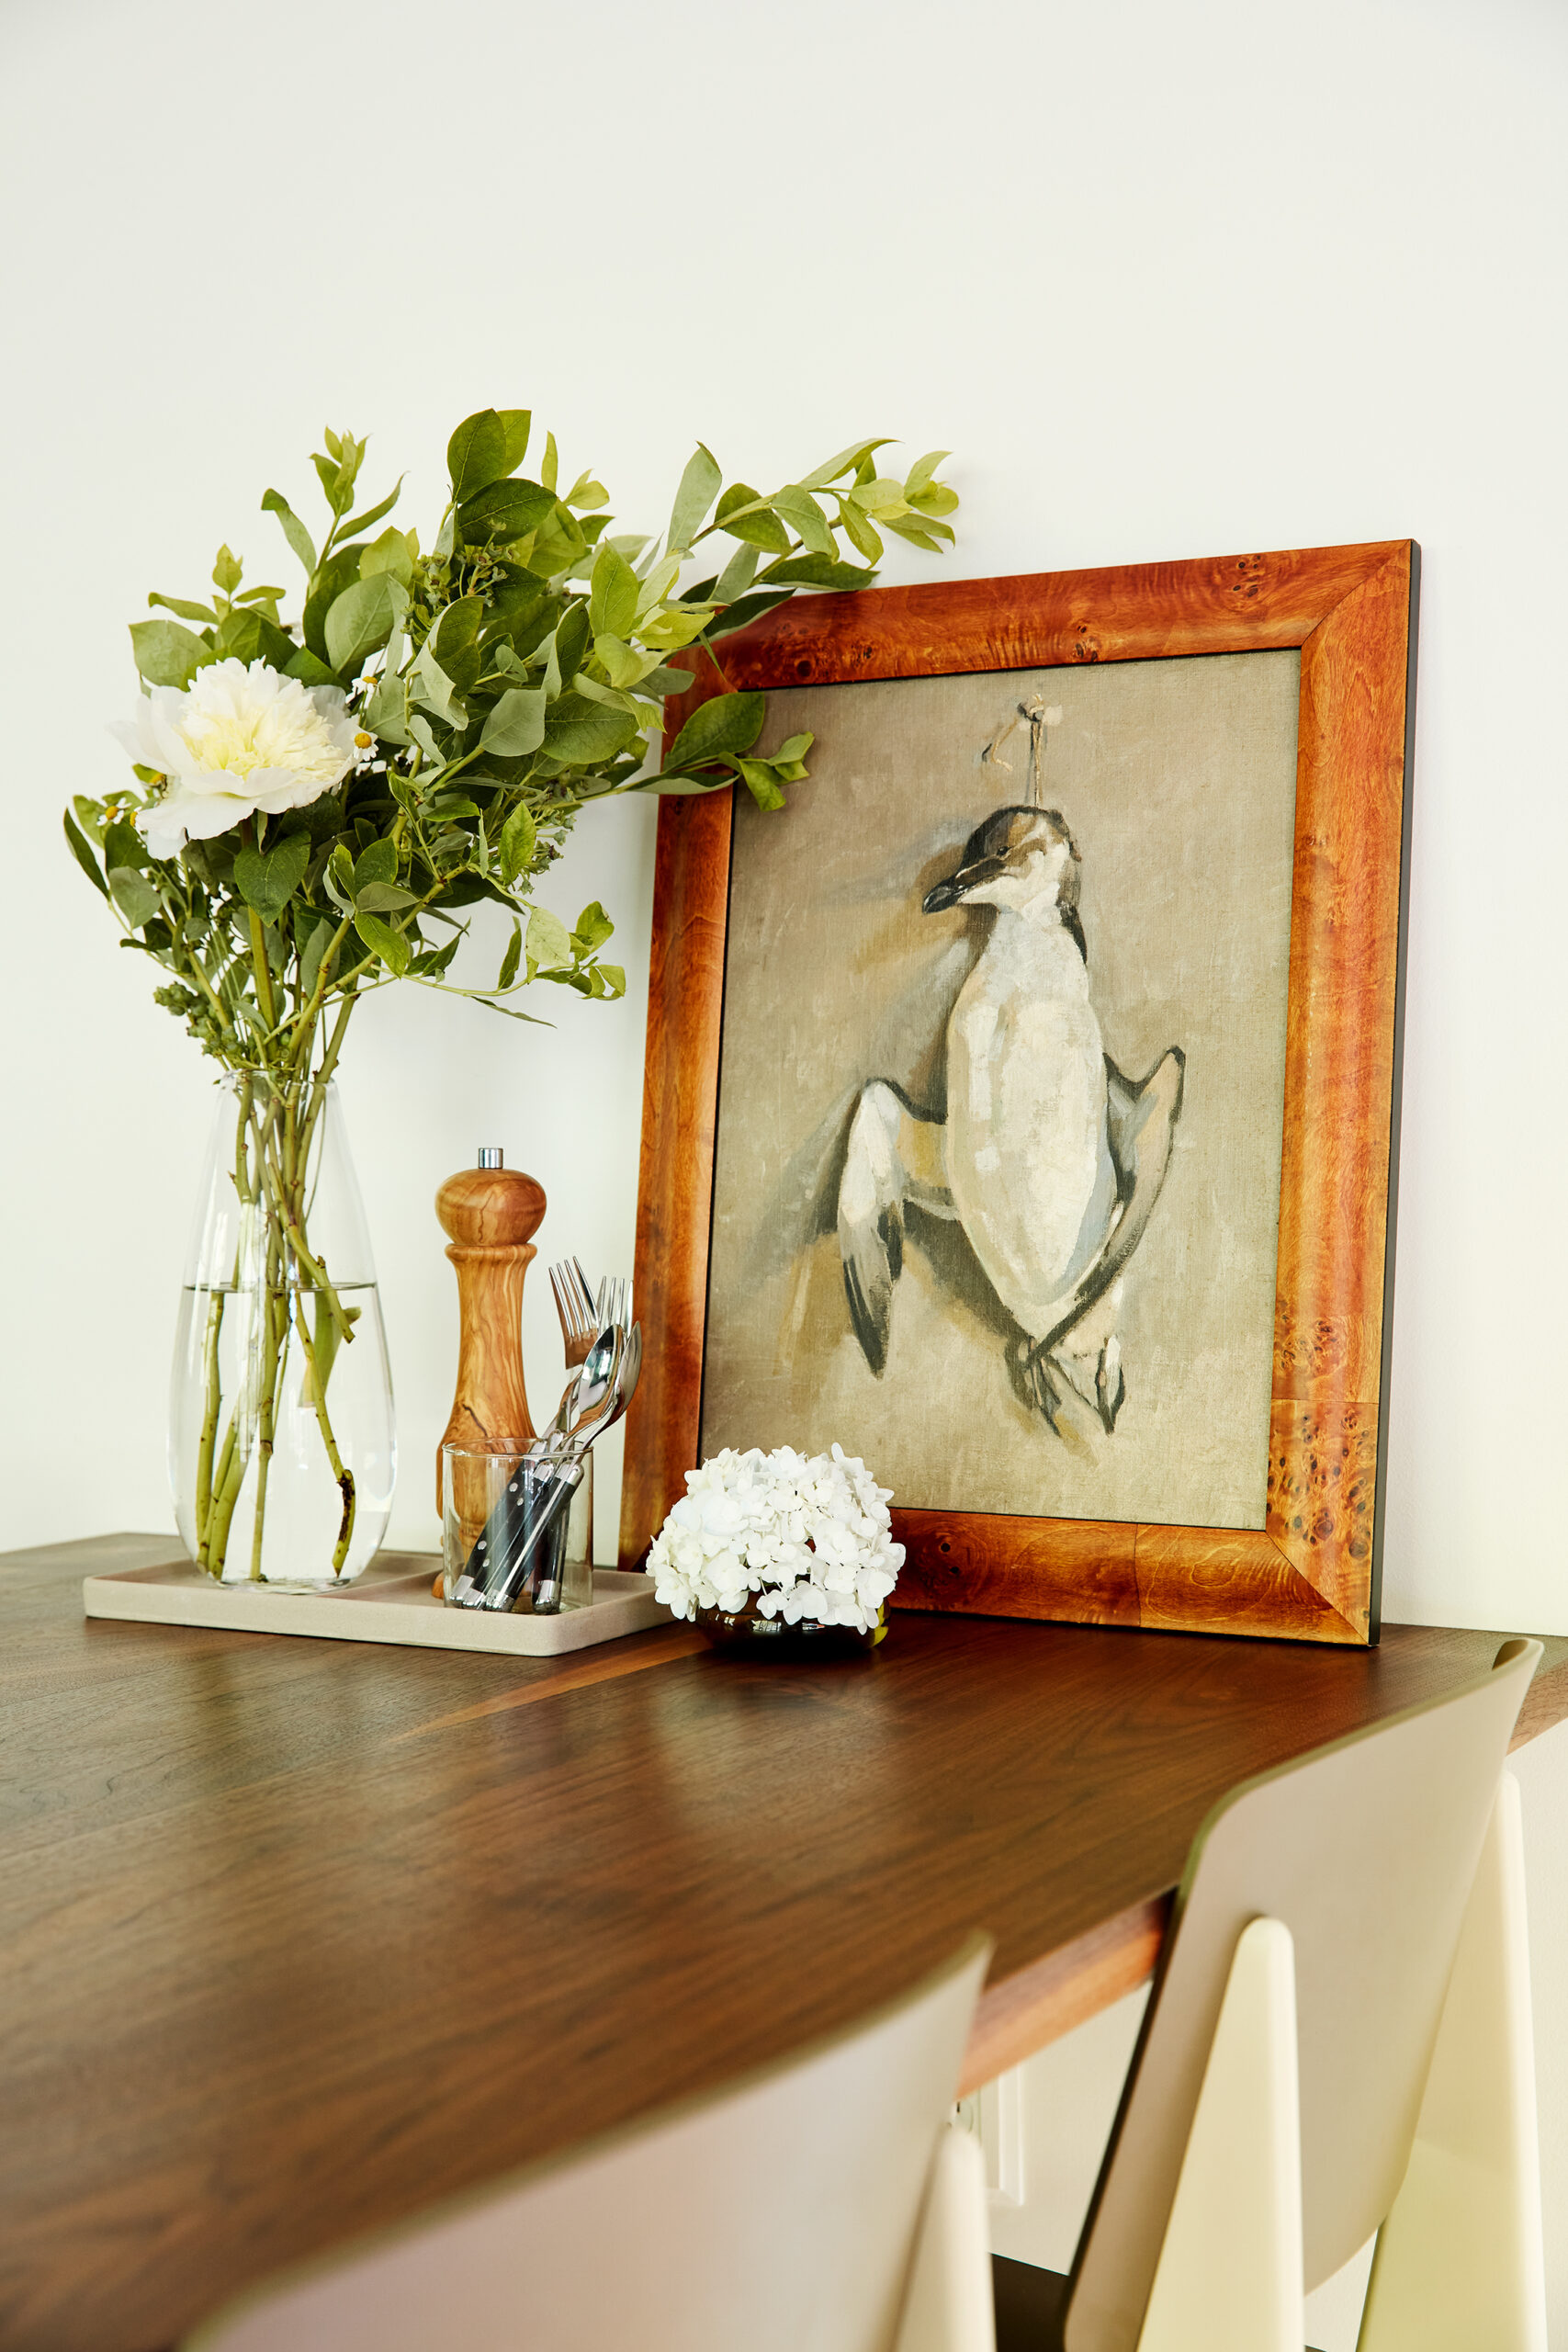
[[958, 886]]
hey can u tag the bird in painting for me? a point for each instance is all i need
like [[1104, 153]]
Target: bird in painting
[[1049, 1156]]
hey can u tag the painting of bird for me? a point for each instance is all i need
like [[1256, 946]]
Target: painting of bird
[[1049, 1156]]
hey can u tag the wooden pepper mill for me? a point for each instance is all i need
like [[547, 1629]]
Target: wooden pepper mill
[[491, 1212]]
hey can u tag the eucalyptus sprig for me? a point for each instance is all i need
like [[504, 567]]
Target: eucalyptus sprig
[[496, 681]]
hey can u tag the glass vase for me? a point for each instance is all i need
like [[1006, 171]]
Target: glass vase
[[282, 1443]]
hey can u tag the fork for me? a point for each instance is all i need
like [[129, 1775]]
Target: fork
[[574, 1305], [615, 1301]]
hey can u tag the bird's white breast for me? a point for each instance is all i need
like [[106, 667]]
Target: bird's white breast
[[1028, 1157]]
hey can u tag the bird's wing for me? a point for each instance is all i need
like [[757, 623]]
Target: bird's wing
[[892, 1156], [1142, 1116]]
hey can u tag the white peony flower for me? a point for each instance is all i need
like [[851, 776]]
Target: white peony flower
[[808, 1537], [237, 740]]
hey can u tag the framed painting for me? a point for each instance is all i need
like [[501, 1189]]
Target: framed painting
[[1021, 1105]]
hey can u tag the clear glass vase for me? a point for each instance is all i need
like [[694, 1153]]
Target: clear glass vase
[[282, 1443]]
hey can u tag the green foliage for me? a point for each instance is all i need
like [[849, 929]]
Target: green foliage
[[166, 654], [267, 880], [496, 681]]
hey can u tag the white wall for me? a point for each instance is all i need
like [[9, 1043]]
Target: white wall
[[1170, 280]]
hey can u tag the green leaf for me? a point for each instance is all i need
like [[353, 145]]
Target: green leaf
[[294, 531], [360, 620], [123, 845], [594, 928], [517, 725], [699, 488], [665, 681], [622, 666], [511, 960], [388, 553], [339, 572], [476, 455], [357, 523], [188, 611], [384, 899], [746, 514], [760, 782], [854, 522], [550, 943], [337, 878], [304, 665], [549, 468], [571, 642], [920, 472], [933, 536], [735, 577], [166, 654], [434, 960], [614, 593], [378, 863], [504, 510], [937, 498], [83, 856], [227, 570], [268, 879], [133, 895], [818, 571], [384, 941], [847, 461], [430, 682], [727, 724], [513, 1012], [454, 640], [581, 734], [881, 495], [519, 836], [310, 956], [423, 735], [249, 636], [386, 711], [516, 424], [800, 511]]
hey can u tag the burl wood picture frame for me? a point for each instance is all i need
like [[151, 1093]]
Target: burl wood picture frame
[[1312, 1572]]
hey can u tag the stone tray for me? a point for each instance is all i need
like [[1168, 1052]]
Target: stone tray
[[392, 1601]]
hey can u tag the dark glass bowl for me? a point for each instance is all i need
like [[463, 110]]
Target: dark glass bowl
[[746, 1632]]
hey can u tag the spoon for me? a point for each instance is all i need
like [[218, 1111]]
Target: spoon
[[546, 1599]]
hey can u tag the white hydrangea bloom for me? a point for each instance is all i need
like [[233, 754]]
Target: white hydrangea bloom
[[234, 741], [809, 1536]]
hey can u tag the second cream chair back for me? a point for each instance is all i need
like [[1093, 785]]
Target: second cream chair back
[[780, 2215], [1366, 1850]]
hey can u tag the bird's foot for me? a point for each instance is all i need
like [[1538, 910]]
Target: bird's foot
[[1032, 1378], [1110, 1385]]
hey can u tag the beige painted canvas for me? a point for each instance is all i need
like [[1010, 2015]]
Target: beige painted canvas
[[997, 1172]]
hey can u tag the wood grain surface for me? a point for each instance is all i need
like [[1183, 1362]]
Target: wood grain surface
[[680, 1110], [492, 1215], [1311, 1573], [229, 1861]]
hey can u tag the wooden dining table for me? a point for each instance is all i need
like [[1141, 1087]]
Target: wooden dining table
[[299, 1936]]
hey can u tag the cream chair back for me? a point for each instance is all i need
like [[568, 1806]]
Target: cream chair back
[[1366, 1850], [779, 2216]]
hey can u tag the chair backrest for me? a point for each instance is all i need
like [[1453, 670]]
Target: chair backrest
[[1366, 1849], [779, 2214]]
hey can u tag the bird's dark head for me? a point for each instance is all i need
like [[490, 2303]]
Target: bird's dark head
[[1021, 858]]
